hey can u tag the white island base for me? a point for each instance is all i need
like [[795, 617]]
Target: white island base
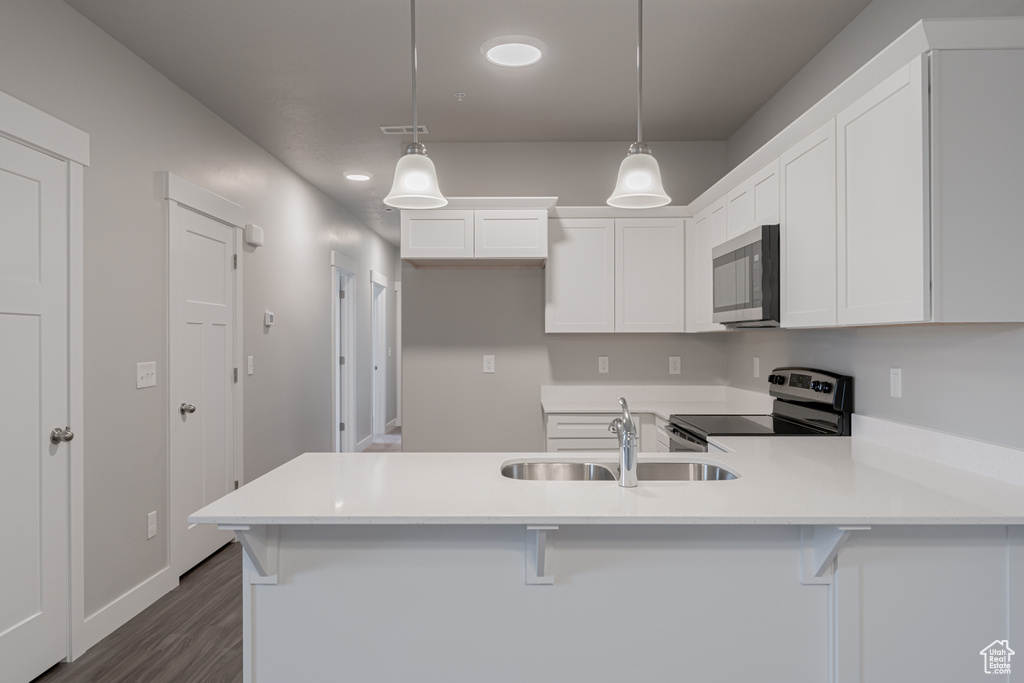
[[469, 602]]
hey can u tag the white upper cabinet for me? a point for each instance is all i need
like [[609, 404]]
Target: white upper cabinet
[[649, 275], [883, 213], [807, 178], [475, 236], [615, 275], [438, 233], [706, 231], [511, 233], [754, 202], [580, 276]]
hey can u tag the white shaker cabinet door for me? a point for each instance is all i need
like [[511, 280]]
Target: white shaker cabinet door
[[808, 230], [511, 233], [764, 190], [707, 230], [580, 276], [883, 217], [649, 280], [437, 234]]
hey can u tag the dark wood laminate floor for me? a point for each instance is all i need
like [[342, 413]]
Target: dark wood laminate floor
[[191, 635]]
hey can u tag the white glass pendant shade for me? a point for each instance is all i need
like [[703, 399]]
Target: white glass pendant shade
[[639, 183], [415, 185]]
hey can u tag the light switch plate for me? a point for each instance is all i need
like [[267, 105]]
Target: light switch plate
[[896, 382], [757, 367], [249, 368], [602, 364], [151, 524], [489, 364], [145, 375], [675, 365]]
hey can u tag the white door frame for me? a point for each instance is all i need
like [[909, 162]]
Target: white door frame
[[343, 275], [201, 200], [398, 353], [27, 125], [378, 307]]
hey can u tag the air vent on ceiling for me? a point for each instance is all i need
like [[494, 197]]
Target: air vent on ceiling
[[402, 130]]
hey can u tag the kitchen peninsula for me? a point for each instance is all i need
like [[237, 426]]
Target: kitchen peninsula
[[824, 555]]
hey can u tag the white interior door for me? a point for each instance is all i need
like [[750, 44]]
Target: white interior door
[[343, 315], [379, 285], [201, 379], [33, 401]]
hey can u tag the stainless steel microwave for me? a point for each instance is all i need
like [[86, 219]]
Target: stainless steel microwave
[[745, 274]]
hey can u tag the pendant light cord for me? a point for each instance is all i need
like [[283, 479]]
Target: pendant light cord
[[415, 127], [639, 70]]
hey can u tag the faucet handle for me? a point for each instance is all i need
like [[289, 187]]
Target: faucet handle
[[615, 426]]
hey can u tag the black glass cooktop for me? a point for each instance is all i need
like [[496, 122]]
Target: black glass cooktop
[[740, 425]]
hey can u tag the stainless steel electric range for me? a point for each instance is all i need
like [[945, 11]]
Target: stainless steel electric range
[[808, 402]]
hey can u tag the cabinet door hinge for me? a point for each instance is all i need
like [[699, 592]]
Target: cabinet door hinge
[[236, 375], [234, 261]]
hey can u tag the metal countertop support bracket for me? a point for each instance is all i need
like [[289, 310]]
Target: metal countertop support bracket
[[538, 556], [261, 543], [819, 547]]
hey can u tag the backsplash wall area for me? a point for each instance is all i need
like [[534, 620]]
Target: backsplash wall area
[[452, 317], [959, 379]]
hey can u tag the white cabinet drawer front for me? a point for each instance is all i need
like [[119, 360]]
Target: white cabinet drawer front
[[438, 234], [580, 426], [511, 233], [575, 445]]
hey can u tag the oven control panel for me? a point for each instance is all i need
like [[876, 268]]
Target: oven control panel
[[806, 384]]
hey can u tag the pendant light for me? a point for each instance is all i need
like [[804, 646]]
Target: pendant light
[[415, 185], [639, 182]]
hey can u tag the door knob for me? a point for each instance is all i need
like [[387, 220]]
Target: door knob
[[58, 435], [187, 408]]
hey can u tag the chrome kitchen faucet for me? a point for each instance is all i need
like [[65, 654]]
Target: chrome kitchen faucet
[[626, 429]]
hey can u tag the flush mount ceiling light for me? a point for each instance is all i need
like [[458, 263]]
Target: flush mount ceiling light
[[359, 177], [415, 185], [513, 51], [639, 182]]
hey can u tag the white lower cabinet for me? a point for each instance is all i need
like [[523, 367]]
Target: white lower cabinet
[[580, 432], [920, 603], [615, 275], [661, 444]]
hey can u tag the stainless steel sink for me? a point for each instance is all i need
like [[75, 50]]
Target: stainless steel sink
[[558, 471], [682, 471], [590, 471]]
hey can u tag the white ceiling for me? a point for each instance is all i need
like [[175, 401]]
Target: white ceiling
[[311, 81]]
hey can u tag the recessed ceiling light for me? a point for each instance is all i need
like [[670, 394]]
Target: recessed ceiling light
[[513, 50], [359, 177]]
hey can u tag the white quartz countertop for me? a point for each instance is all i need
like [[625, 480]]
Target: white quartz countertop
[[783, 480]]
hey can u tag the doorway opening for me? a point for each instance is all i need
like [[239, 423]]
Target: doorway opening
[[343, 332], [379, 284]]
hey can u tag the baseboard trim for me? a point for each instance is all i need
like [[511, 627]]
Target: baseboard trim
[[364, 444], [121, 610], [390, 425]]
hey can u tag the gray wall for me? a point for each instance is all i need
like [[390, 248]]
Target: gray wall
[[451, 318], [959, 379], [140, 123], [875, 27]]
